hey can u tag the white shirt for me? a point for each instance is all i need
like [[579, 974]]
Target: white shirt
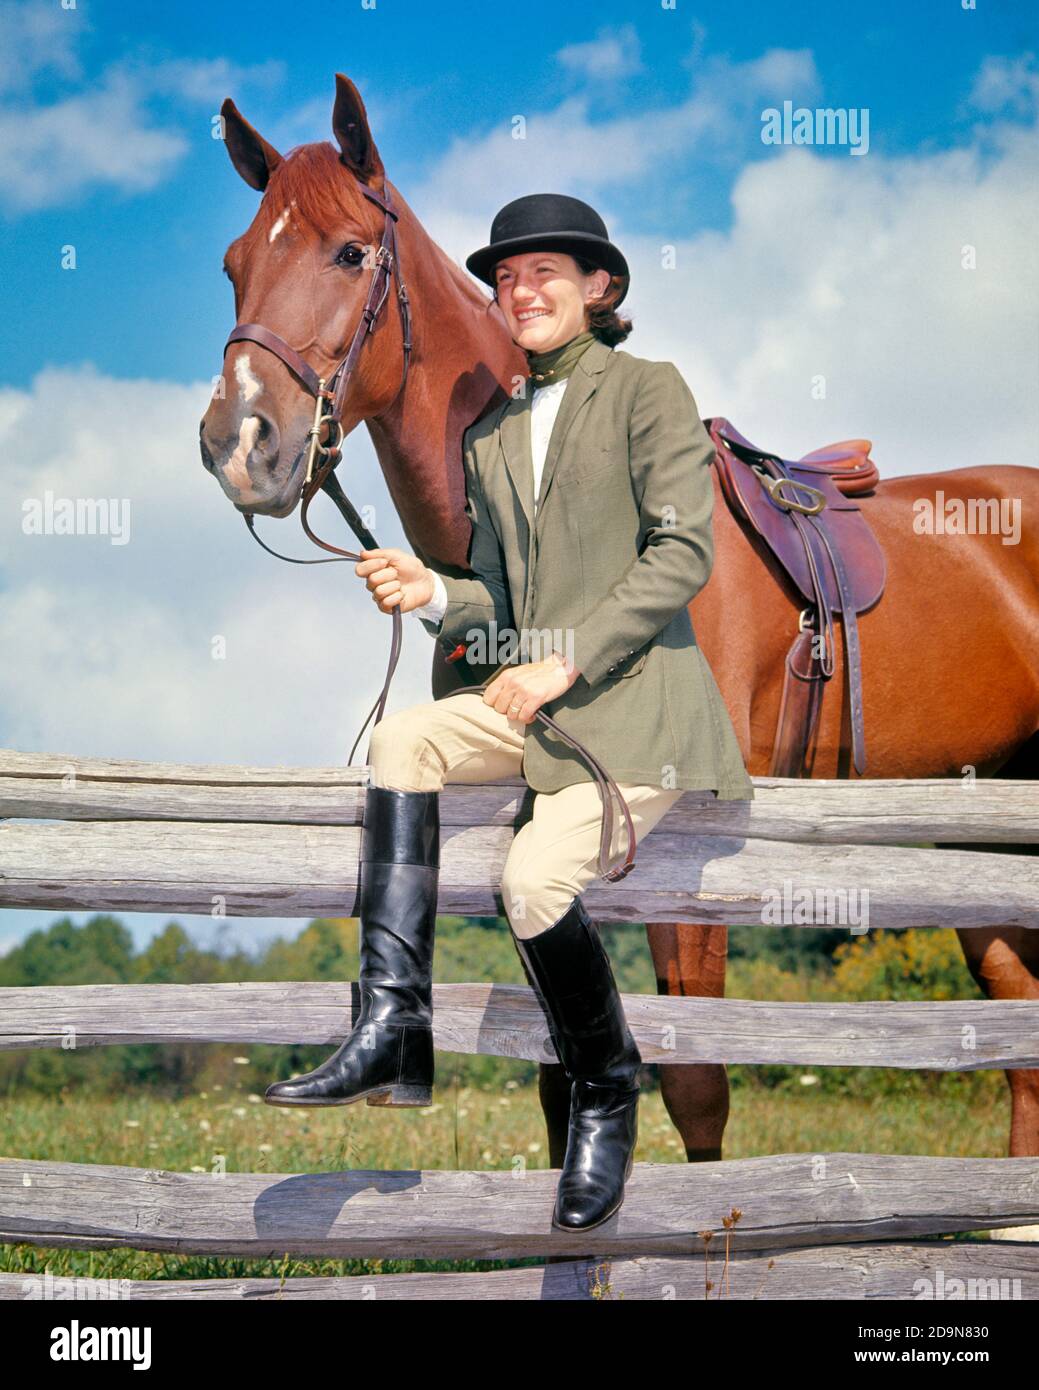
[[543, 410]]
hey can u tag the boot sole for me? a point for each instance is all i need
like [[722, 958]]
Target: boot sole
[[395, 1097]]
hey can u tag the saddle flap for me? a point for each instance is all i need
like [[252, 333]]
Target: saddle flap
[[803, 543]]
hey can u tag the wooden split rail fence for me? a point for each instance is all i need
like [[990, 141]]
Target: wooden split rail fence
[[83, 833]]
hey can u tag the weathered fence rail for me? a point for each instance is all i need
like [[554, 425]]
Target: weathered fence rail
[[881, 811], [228, 839], [96, 834], [785, 1199], [506, 1021], [936, 1269]]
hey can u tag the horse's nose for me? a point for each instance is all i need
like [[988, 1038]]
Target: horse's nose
[[266, 440], [253, 448]]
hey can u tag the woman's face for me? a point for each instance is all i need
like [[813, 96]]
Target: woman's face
[[543, 297]]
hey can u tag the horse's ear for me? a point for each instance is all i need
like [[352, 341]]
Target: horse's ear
[[250, 153], [350, 127]]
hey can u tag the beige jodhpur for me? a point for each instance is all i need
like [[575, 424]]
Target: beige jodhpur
[[554, 856]]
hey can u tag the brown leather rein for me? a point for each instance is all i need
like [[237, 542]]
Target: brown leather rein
[[329, 401]]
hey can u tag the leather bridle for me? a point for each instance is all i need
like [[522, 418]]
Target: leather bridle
[[329, 403]]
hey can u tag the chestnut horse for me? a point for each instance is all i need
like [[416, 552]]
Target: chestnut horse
[[948, 656]]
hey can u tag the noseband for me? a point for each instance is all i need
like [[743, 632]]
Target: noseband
[[329, 402]]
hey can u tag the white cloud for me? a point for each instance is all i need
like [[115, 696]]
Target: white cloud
[[566, 148], [610, 56], [37, 39], [108, 648], [846, 268], [207, 81], [1007, 84], [853, 271], [50, 154], [107, 134]]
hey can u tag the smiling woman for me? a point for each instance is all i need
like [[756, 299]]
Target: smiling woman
[[606, 564]]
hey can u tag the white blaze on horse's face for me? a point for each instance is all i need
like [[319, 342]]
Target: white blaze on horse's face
[[281, 224], [248, 385], [235, 471]]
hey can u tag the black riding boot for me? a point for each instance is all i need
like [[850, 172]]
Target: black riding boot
[[388, 1057], [570, 972]]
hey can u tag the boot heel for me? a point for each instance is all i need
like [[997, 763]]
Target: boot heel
[[402, 1096]]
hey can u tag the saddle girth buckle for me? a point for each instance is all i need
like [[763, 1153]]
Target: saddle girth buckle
[[774, 488]]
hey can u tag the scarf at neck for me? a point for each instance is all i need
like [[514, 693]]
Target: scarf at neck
[[546, 368]]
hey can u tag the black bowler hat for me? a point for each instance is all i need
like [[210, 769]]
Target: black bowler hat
[[548, 222]]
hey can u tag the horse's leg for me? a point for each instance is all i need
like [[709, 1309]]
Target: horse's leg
[[690, 960], [1005, 963]]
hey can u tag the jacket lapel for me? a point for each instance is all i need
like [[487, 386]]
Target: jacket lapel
[[581, 385], [514, 436]]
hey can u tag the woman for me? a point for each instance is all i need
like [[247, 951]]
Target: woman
[[590, 498]]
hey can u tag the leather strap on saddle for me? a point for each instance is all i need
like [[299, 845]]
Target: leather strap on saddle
[[804, 511]]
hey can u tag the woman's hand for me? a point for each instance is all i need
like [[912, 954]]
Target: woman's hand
[[396, 579], [520, 691]]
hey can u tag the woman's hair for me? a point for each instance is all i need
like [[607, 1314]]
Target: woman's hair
[[603, 320]]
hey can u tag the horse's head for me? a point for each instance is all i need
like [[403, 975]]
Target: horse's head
[[302, 270]]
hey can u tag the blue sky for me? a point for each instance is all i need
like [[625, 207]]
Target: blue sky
[[790, 262]]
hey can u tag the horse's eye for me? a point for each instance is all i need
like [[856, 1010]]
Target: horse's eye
[[351, 255]]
